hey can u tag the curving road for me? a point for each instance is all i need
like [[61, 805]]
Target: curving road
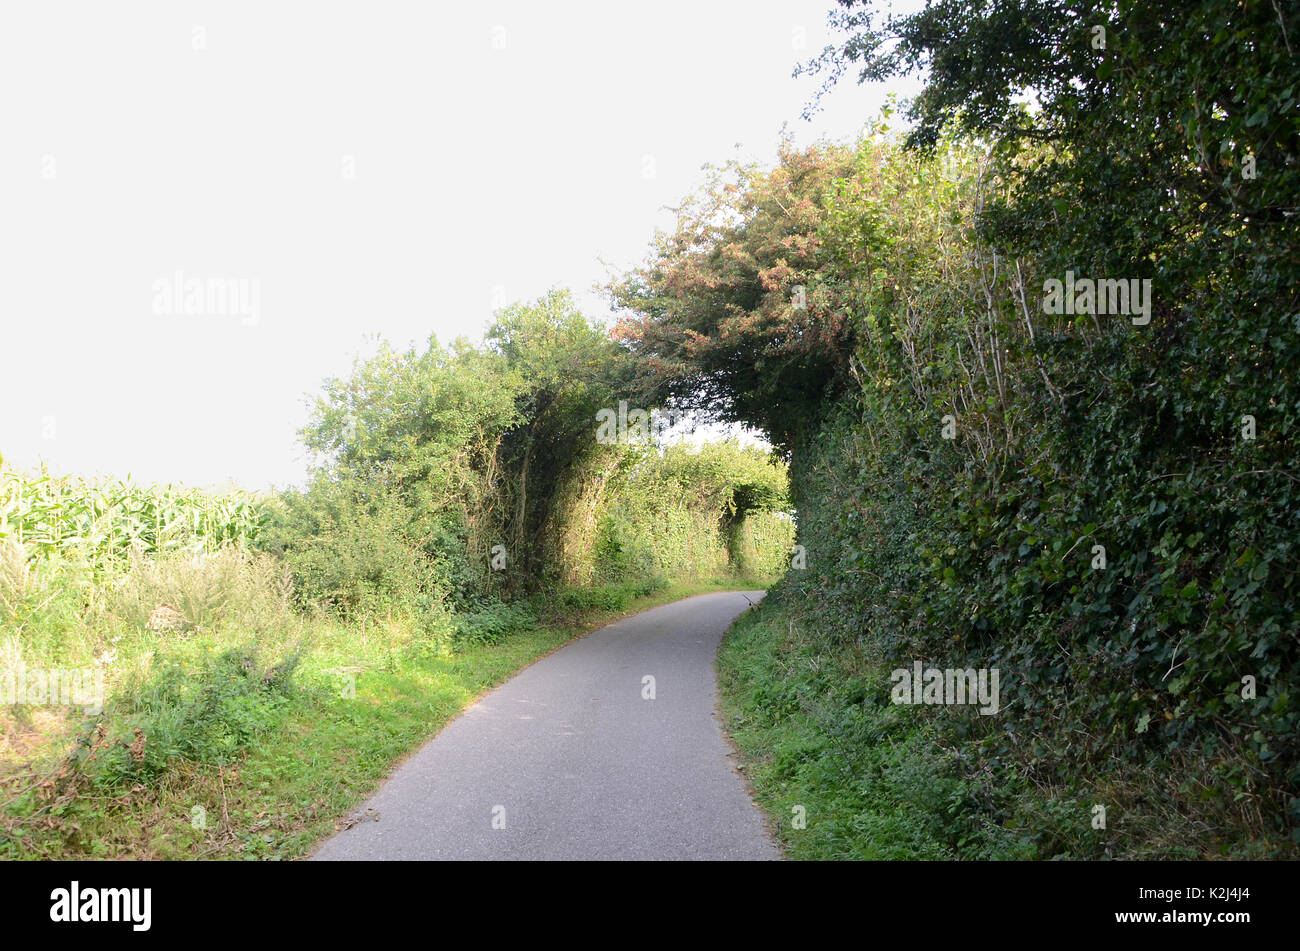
[[570, 760]]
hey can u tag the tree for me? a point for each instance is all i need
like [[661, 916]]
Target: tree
[[739, 312]]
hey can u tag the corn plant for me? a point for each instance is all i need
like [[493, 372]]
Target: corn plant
[[102, 521]]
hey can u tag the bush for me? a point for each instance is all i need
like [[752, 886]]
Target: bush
[[760, 544], [352, 552], [202, 708], [492, 624]]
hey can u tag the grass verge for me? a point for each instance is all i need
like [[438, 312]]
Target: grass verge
[[317, 741], [841, 772], [813, 718]]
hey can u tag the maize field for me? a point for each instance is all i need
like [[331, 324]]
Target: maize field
[[102, 521]]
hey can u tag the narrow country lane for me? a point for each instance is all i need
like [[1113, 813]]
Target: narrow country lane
[[569, 760]]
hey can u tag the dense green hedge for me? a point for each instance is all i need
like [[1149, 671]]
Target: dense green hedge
[[963, 456], [694, 511]]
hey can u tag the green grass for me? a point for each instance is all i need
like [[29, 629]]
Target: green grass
[[814, 722], [818, 731], [275, 765]]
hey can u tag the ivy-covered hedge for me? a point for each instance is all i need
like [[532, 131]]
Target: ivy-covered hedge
[[1100, 501]]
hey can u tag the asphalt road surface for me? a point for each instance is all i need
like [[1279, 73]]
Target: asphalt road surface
[[572, 760]]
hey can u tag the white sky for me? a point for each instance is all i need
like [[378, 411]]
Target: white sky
[[481, 176]]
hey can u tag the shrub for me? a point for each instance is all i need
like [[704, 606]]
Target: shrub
[[195, 706], [492, 623]]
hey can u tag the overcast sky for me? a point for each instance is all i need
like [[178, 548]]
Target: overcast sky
[[352, 169]]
